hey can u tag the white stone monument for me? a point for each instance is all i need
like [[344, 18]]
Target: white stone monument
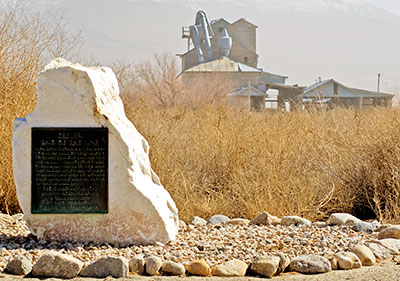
[[82, 169]]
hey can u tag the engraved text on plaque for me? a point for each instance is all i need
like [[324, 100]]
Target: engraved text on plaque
[[69, 170]]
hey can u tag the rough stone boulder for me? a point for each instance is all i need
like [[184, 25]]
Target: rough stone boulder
[[140, 210]]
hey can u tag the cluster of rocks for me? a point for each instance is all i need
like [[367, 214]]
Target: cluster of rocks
[[264, 246]]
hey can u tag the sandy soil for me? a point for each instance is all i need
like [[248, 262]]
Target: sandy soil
[[384, 271]]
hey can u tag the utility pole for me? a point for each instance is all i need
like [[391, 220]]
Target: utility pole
[[379, 81]]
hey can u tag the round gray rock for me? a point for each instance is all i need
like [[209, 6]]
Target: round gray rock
[[365, 227], [173, 268], [266, 265], [136, 265], [218, 219], [19, 266], [54, 264], [153, 265], [310, 264], [107, 266]]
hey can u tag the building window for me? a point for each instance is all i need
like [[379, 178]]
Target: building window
[[246, 59], [220, 29]]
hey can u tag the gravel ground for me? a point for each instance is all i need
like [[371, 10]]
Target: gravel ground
[[213, 243]]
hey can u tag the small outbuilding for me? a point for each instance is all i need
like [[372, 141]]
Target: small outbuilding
[[334, 94]]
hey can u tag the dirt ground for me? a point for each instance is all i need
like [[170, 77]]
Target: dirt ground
[[384, 271]]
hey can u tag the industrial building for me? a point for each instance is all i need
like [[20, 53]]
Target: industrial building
[[228, 51]]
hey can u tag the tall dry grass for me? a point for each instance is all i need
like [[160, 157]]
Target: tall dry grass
[[27, 41], [238, 163]]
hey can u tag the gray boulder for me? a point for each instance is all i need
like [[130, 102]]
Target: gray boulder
[[19, 265], [107, 266], [310, 264], [365, 227], [218, 219], [54, 264]]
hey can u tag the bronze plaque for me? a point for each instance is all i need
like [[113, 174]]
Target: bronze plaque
[[69, 170]]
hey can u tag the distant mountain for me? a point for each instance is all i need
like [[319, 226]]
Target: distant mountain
[[303, 39]]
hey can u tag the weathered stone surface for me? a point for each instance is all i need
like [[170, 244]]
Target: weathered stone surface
[[173, 268], [343, 219], [198, 267], [347, 260], [390, 232], [54, 264], [153, 265], [266, 265], [392, 245], [140, 210], [238, 221], [233, 268], [295, 220], [363, 226], [379, 251], [365, 255], [136, 265], [19, 266], [218, 219], [283, 263], [198, 221], [107, 266], [310, 264], [266, 219]]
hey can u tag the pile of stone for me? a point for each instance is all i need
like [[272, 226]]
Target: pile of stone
[[374, 242]]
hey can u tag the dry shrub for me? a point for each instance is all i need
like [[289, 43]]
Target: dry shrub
[[27, 41], [159, 83]]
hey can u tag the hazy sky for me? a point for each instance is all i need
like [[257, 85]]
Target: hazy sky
[[390, 5], [347, 40]]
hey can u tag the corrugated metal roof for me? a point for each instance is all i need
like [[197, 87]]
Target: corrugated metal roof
[[244, 91], [343, 91]]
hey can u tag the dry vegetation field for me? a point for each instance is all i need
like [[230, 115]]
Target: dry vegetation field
[[212, 158]]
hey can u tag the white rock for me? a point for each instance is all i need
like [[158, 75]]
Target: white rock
[[198, 221], [266, 219], [294, 220], [347, 260], [140, 210], [343, 219]]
